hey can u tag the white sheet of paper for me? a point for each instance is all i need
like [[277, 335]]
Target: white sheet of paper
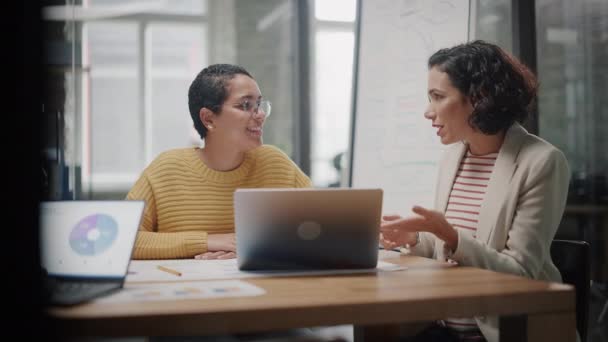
[[190, 290], [192, 269]]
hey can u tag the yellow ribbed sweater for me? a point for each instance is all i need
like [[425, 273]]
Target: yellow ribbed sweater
[[186, 200]]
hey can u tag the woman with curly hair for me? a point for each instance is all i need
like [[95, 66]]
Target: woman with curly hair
[[501, 191]]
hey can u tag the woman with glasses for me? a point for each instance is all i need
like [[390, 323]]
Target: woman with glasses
[[501, 191], [189, 191]]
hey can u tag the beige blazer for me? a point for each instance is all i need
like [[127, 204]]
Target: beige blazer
[[519, 217]]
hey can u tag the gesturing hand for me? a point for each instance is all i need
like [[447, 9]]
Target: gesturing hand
[[391, 237], [399, 231]]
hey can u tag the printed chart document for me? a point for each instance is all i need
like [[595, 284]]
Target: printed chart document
[[188, 290], [192, 269]]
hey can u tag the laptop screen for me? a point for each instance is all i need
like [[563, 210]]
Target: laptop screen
[[88, 238]]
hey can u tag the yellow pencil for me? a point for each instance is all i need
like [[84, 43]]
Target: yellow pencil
[[169, 270]]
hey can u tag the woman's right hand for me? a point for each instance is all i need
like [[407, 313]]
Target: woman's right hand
[[216, 255], [221, 242], [219, 246]]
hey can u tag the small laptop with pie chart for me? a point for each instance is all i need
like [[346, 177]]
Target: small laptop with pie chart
[[86, 247], [307, 229]]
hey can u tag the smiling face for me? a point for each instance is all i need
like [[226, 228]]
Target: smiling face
[[448, 108], [234, 125]]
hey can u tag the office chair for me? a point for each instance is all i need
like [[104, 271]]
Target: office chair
[[572, 258], [600, 319]]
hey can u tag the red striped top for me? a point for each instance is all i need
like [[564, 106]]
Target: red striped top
[[463, 207], [468, 191]]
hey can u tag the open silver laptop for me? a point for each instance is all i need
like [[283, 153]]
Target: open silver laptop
[[295, 229], [86, 247]]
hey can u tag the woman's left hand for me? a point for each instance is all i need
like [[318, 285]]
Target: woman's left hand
[[395, 238], [426, 220]]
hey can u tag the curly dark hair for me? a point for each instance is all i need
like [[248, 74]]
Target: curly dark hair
[[209, 90], [501, 89]]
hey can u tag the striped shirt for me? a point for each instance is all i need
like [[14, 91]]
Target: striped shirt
[[464, 203]]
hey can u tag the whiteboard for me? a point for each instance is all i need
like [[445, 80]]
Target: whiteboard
[[393, 146]]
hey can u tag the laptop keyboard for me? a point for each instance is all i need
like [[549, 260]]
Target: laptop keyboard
[[74, 287], [69, 292]]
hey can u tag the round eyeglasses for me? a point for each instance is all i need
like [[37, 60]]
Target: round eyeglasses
[[254, 108]]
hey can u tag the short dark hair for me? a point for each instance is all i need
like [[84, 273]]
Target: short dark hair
[[209, 90], [501, 89]]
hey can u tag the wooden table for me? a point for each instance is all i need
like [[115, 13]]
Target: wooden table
[[374, 303]]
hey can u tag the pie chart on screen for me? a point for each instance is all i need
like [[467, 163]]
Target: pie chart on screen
[[93, 234]]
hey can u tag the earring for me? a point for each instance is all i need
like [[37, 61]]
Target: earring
[[209, 127]]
